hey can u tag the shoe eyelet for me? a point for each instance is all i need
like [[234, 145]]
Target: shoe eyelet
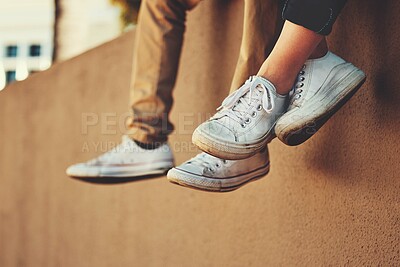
[[248, 120], [243, 125], [254, 114], [259, 107], [217, 165], [302, 72], [302, 79], [304, 67], [298, 96]]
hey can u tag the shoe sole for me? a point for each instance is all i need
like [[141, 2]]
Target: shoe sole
[[297, 133], [230, 151], [161, 169], [121, 175], [190, 180]]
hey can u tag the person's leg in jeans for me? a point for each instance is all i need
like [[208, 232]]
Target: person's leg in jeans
[[144, 151], [262, 23], [324, 82]]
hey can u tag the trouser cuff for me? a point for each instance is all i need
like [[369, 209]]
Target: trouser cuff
[[144, 136], [315, 15]]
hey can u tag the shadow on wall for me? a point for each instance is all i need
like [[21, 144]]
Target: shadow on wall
[[375, 38], [116, 180], [364, 134], [386, 39]]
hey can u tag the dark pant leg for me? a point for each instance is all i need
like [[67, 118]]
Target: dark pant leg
[[316, 15]]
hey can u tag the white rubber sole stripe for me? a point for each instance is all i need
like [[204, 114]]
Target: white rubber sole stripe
[[199, 182]]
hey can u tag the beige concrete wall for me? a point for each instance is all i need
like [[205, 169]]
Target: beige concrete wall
[[84, 24], [333, 201]]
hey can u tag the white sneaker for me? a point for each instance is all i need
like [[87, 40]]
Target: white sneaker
[[126, 160], [322, 87], [209, 173], [244, 123]]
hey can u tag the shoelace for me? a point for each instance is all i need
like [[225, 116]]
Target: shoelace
[[239, 102], [297, 88], [207, 161]]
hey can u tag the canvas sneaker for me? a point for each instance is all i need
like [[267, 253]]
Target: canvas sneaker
[[322, 87], [208, 173], [244, 123], [126, 160]]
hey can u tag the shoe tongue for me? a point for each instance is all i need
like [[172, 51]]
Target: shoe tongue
[[242, 107], [269, 85], [259, 92], [246, 97]]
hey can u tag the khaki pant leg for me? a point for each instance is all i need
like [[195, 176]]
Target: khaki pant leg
[[261, 26], [158, 43]]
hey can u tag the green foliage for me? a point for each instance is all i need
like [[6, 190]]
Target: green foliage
[[129, 10]]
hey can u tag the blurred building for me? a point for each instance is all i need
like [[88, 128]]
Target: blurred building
[[84, 24], [27, 29], [26, 38]]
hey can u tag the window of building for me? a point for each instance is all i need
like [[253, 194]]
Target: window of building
[[10, 76], [35, 50], [11, 51]]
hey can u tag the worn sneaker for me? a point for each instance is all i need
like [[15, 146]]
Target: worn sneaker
[[208, 173], [322, 87], [126, 160], [244, 123]]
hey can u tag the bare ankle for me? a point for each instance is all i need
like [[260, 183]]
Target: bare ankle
[[278, 77], [320, 51], [282, 86]]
